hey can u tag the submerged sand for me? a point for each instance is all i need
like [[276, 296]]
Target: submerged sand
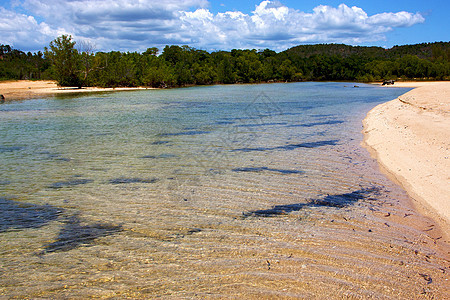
[[25, 89], [188, 236], [410, 137]]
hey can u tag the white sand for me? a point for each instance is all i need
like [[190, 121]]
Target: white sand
[[410, 137], [23, 89]]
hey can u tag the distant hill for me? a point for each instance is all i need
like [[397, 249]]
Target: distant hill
[[185, 66], [340, 50], [423, 51]]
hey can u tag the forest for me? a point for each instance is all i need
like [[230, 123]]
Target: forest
[[78, 64]]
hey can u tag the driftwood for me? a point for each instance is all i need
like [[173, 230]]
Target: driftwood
[[388, 82]]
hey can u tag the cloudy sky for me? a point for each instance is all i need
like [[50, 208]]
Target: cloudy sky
[[135, 25]]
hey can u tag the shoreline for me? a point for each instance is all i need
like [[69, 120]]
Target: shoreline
[[410, 139], [28, 89]]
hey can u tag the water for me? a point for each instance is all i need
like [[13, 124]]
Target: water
[[229, 191]]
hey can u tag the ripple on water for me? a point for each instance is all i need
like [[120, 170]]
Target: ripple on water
[[4, 149], [260, 169], [190, 132], [69, 183], [331, 122], [161, 142], [291, 146], [164, 155], [125, 180]]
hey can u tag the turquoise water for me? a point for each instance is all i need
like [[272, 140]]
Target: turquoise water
[[243, 190]]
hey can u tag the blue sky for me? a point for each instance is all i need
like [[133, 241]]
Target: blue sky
[[135, 25]]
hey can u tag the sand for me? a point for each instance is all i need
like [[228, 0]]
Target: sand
[[25, 89], [410, 137]]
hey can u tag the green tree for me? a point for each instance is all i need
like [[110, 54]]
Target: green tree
[[86, 51], [225, 69], [151, 51], [287, 70], [65, 60]]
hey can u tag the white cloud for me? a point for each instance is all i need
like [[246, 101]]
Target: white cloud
[[276, 26], [271, 9], [138, 24], [115, 24], [24, 32], [400, 19]]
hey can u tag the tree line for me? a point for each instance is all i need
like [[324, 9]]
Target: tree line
[[73, 64]]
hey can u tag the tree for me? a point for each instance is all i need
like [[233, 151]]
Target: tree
[[173, 54], [5, 49], [65, 60], [151, 51], [225, 68], [86, 49], [287, 70]]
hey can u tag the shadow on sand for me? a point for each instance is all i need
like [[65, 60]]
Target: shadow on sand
[[75, 235], [291, 146], [19, 215], [338, 201]]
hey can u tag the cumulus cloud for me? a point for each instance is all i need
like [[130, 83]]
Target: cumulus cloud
[[276, 26], [138, 24], [24, 32]]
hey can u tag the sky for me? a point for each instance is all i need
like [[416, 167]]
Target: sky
[[135, 25]]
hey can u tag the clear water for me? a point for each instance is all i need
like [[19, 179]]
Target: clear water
[[228, 191]]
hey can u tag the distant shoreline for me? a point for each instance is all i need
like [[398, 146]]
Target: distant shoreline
[[27, 89], [410, 138], [30, 89]]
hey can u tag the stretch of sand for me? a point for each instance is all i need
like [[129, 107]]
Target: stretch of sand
[[410, 137], [24, 89]]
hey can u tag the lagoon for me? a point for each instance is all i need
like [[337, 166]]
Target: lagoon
[[229, 191]]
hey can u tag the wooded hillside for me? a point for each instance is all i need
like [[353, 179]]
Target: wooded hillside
[[183, 65]]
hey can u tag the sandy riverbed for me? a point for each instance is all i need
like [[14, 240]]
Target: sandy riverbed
[[410, 137], [24, 89]]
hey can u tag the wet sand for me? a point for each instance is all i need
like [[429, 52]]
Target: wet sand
[[410, 137], [25, 89]]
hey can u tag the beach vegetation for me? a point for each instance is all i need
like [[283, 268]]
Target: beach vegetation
[[184, 66], [65, 61], [16, 64], [86, 50]]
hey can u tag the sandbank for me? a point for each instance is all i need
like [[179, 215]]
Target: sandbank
[[24, 89], [410, 138]]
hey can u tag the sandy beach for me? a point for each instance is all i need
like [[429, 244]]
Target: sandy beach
[[410, 137], [25, 89]]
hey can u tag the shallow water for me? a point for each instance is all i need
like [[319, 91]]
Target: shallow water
[[221, 191]]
